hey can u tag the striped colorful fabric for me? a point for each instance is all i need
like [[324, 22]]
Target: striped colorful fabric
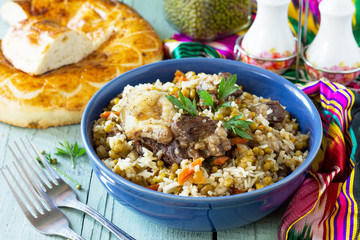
[[326, 204], [313, 20], [181, 46]]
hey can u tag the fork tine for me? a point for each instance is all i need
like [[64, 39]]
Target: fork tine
[[26, 181], [33, 183], [35, 173], [35, 188], [25, 209], [51, 171], [45, 173]]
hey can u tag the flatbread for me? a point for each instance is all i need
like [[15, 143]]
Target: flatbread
[[59, 97]]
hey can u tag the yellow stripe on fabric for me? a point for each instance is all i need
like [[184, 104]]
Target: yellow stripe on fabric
[[326, 103], [349, 206], [330, 224], [356, 207], [319, 158], [349, 96], [346, 116], [329, 101], [354, 16], [336, 135], [221, 56], [348, 139], [351, 191], [317, 200], [293, 12], [347, 111], [292, 29]]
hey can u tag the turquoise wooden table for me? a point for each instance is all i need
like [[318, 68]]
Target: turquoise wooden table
[[15, 226]]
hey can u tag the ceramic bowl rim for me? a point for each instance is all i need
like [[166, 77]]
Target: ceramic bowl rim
[[302, 169]]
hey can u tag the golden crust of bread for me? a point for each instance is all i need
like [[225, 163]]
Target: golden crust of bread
[[59, 97]]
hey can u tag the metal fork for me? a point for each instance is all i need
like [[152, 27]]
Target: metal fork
[[60, 192], [37, 207]]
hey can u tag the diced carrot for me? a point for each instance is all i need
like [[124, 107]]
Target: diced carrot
[[238, 101], [197, 178], [188, 170], [106, 114], [153, 187], [221, 160], [236, 191], [179, 77], [261, 127], [237, 140], [179, 73]]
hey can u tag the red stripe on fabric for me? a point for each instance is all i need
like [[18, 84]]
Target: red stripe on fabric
[[306, 195], [340, 218]]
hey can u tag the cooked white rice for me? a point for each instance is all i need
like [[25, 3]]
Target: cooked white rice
[[279, 150]]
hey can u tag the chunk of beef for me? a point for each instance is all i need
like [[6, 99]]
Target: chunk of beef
[[201, 136], [193, 128], [252, 143], [271, 110], [225, 75], [235, 94], [171, 153], [278, 112], [194, 137], [175, 153]]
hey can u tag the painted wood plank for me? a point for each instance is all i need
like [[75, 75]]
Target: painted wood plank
[[264, 229]]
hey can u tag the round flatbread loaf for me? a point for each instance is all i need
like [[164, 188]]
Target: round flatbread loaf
[[124, 40]]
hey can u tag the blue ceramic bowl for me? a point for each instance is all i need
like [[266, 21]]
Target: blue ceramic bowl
[[201, 213]]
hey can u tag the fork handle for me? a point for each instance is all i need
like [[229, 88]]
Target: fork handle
[[101, 219], [68, 233]]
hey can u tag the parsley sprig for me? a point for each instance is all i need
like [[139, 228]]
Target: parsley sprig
[[71, 150], [52, 161], [184, 103], [238, 126], [225, 89]]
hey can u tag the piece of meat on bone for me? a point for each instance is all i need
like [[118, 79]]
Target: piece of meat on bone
[[201, 136], [194, 137], [147, 114]]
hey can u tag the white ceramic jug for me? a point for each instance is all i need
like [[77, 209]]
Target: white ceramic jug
[[270, 33], [334, 46]]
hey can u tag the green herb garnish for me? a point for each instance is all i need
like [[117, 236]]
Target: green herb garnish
[[238, 126], [52, 161], [227, 87], [204, 95], [184, 103], [73, 151]]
